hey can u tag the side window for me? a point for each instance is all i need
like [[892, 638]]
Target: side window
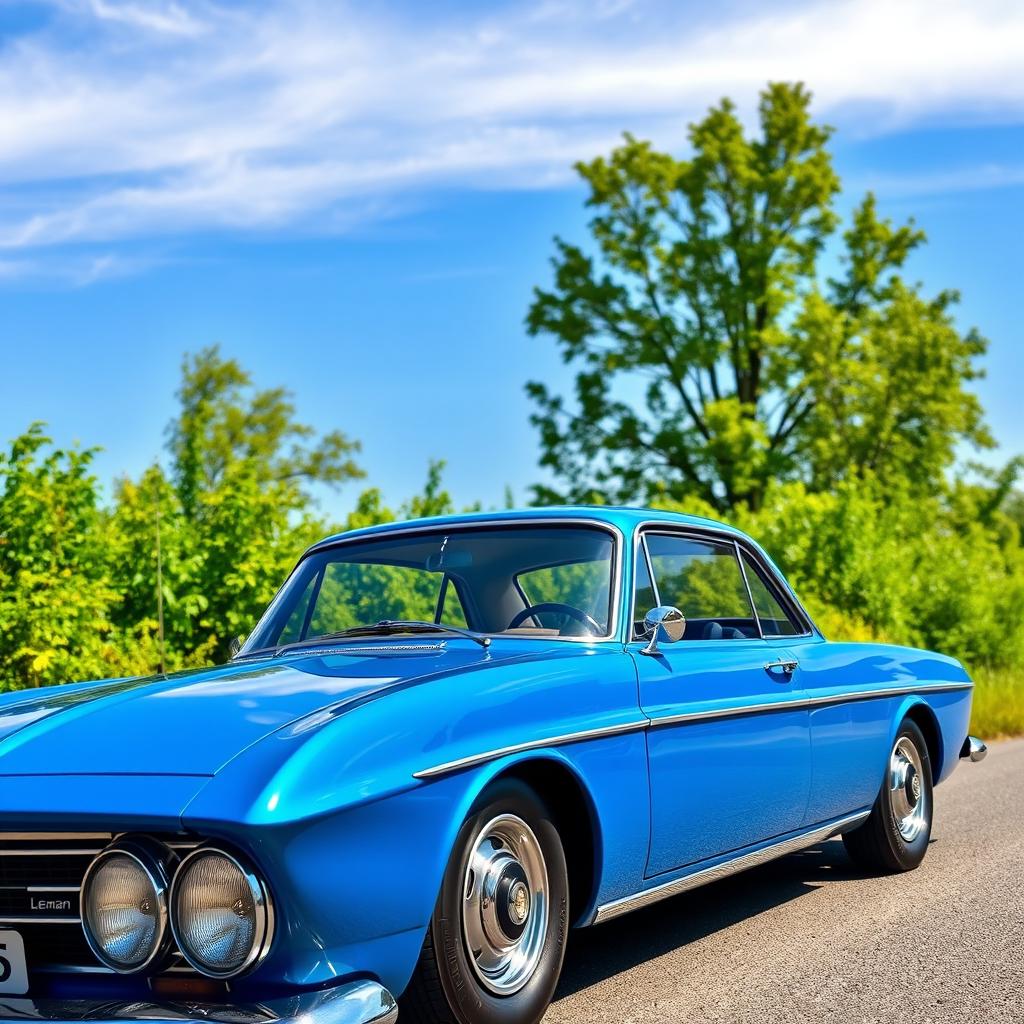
[[774, 620], [703, 579]]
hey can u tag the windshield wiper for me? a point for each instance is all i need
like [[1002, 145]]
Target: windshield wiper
[[386, 627]]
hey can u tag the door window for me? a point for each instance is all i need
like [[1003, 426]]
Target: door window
[[703, 579], [774, 620]]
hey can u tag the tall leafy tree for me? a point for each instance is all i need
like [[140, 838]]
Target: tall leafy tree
[[714, 354], [234, 509]]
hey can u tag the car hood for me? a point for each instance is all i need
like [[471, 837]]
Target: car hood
[[193, 723]]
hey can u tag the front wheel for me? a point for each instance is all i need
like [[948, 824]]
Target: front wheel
[[895, 837], [496, 939]]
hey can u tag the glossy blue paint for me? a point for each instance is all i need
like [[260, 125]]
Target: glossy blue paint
[[720, 784], [312, 763]]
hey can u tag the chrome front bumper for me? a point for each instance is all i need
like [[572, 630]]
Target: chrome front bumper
[[973, 749], [359, 1002]]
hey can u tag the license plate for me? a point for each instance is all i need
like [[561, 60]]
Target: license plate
[[13, 969]]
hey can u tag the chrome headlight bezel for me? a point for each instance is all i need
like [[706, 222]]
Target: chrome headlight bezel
[[152, 858], [263, 932]]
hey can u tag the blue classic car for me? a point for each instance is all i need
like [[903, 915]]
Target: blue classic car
[[443, 745]]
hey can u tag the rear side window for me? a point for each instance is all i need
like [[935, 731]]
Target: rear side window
[[703, 579], [774, 620]]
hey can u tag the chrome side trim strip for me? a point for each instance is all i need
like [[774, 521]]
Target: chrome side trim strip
[[518, 748], [645, 897], [808, 702], [691, 716]]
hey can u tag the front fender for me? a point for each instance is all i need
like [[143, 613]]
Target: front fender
[[355, 846]]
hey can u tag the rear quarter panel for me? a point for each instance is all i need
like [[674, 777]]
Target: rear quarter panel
[[851, 739]]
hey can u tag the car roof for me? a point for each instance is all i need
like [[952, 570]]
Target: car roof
[[625, 518]]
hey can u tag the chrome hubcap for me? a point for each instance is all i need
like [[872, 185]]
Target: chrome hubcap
[[505, 904], [907, 795]]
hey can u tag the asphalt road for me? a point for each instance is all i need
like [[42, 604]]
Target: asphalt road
[[809, 938]]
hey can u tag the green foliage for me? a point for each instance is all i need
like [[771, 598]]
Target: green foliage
[[55, 596], [873, 562], [712, 356], [232, 510]]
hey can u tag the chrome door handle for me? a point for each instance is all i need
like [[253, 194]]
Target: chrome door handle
[[782, 667]]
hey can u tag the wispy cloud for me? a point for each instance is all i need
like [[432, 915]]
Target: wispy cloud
[[125, 120]]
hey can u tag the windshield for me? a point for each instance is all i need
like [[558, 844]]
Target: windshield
[[544, 580]]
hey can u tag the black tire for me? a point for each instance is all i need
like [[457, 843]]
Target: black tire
[[879, 845], [446, 988]]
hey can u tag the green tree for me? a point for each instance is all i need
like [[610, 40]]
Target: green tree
[[235, 510], [55, 597], [714, 355]]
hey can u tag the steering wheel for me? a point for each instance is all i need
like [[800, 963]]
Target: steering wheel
[[560, 609]]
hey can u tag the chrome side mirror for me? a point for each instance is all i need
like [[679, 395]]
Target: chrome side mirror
[[664, 625], [236, 645]]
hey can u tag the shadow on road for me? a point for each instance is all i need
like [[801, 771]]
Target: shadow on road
[[595, 954]]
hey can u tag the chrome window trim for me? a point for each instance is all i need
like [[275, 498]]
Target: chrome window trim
[[741, 544], [741, 862], [738, 552], [617, 596], [641, 725]]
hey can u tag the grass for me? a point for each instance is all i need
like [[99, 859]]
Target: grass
[[998, 708]]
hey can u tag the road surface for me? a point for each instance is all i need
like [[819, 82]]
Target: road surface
[[809, 938]]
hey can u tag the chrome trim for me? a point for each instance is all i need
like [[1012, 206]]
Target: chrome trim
[[974, 749], [358, 1002], [738, 552], [518, 748], [148, 854], [805, 702], [737, 711], [6, 837], [616, 594], [746, 545], [50, 888], [262, 902], [645, 897], [34, 851]]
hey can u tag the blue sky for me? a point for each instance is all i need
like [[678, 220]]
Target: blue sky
[[356, 200]]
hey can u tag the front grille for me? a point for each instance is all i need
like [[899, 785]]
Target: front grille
[[40, 883]]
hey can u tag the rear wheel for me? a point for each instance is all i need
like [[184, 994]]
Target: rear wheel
[[895, 837], [496, 940]]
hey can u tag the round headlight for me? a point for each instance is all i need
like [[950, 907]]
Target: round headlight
[[220, 914], [124, 909]]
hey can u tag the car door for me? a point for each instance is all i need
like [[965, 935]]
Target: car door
[[729, 759], [849, 738]]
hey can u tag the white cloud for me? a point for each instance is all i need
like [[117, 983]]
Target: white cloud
[[135, 119]]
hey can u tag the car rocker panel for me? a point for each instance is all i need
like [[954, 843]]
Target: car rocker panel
[[444, 743]]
